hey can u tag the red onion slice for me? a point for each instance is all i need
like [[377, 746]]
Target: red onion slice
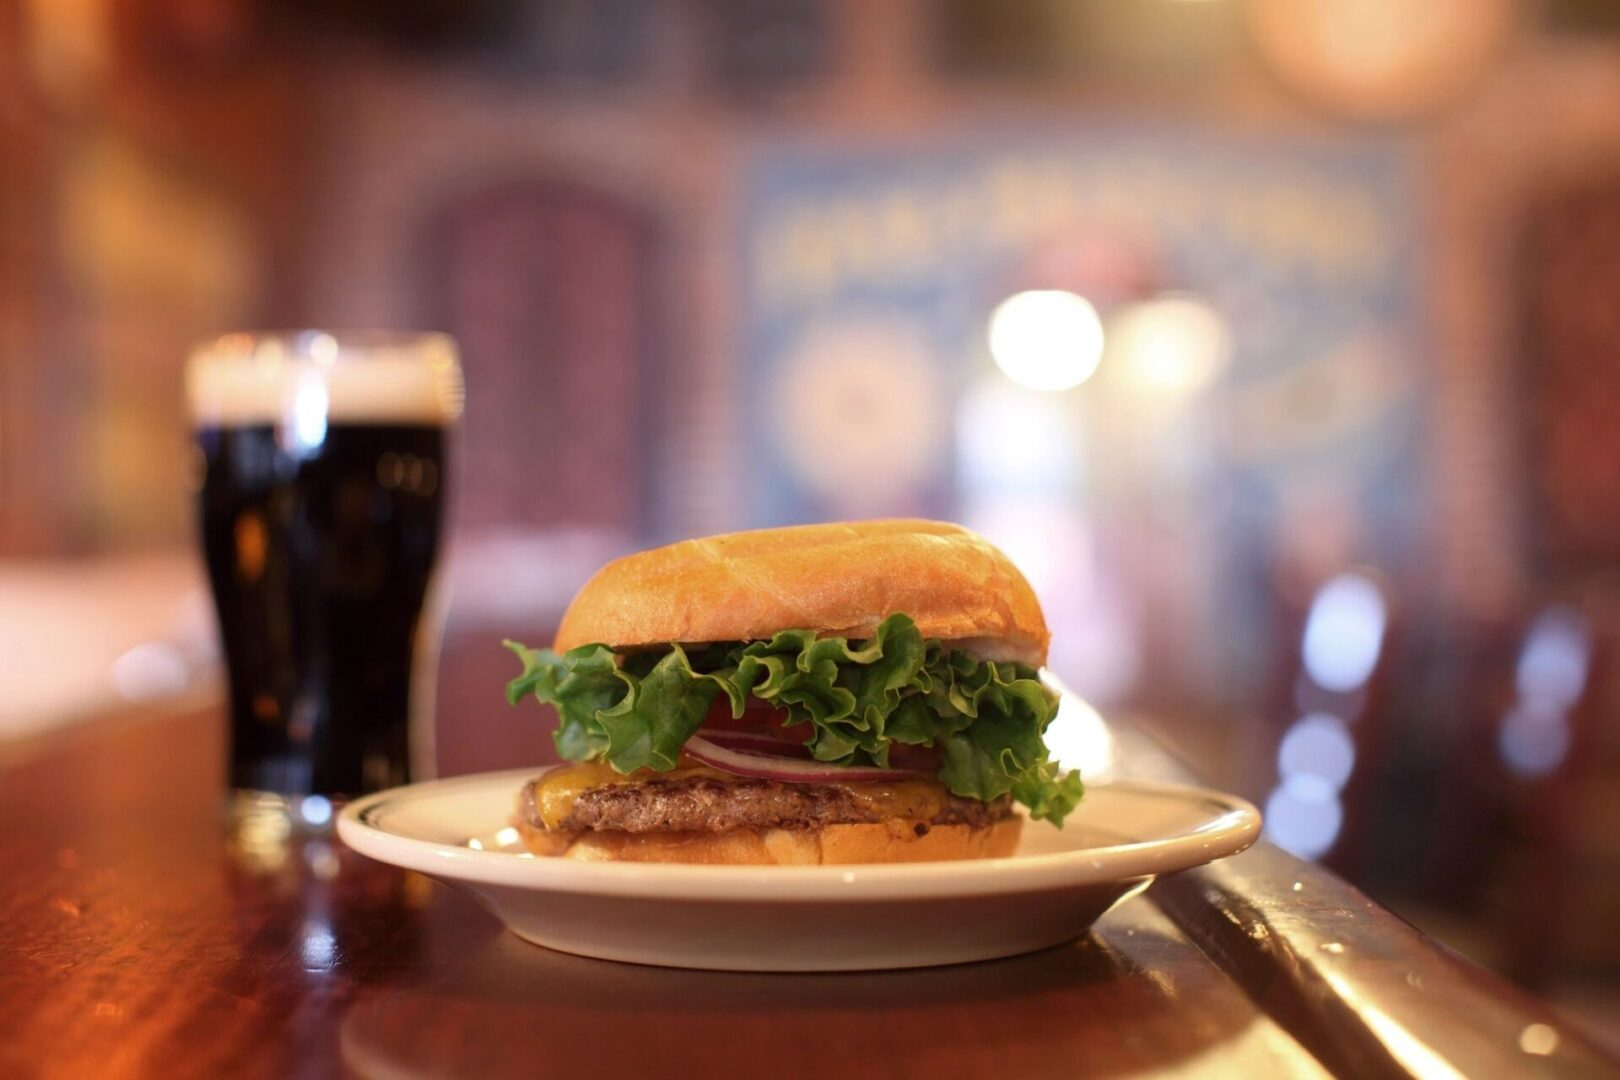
[[787, 770], [753, 742]]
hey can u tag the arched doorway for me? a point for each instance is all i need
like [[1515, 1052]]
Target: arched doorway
[[551, 289]]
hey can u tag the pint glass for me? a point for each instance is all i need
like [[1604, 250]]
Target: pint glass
[[321, 502]]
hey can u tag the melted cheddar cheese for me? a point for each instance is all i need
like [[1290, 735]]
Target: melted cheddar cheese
[[555, 792]]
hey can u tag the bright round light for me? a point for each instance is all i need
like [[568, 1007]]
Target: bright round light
[[1046, 339], [1344, 633], [315, 809], [1553, 666], [1174, 343], [1318, 745], [1533, 745], [1303, 816]]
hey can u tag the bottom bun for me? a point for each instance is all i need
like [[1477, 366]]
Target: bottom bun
[[886, 842]]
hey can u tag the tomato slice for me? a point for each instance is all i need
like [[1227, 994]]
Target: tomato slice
[[759, 717], [916, 758], [762, 718]]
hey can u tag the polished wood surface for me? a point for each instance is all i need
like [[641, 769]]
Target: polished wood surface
[[134, 941]]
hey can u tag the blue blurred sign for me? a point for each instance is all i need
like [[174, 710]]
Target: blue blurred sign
[[858, 253]]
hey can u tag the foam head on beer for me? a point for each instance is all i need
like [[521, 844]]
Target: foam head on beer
[[368, 378], [321, 501]]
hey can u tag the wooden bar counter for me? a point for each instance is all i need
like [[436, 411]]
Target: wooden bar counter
[[135, 941]]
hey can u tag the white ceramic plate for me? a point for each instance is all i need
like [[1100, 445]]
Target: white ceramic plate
[[802, 918]]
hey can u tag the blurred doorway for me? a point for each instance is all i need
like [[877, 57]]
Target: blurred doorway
[[551, 288]]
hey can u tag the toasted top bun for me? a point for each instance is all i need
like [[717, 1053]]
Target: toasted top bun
[[837, 579]]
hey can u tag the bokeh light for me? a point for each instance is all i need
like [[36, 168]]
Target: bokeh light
[[1550, 678], [1318, 745], [1046, 339], [1344, 633], [1009, 438], [1173, 344], [1303, 816], [1078, 737], [1533, 744], [1552, 667]]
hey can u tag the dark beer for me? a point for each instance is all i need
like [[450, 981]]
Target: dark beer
[[320, 531]]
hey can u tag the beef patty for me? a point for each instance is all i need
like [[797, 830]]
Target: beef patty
[[706, 805]]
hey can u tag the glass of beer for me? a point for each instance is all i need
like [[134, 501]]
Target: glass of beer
[[321, 496]]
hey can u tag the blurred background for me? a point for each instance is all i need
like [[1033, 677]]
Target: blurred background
[[1277, 340]]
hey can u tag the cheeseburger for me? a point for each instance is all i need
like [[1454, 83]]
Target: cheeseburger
[[851, 693]]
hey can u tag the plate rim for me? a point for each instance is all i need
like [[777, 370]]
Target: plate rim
[[1233, 826]]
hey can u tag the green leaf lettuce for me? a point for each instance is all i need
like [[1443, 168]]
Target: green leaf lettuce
[[859, 698]]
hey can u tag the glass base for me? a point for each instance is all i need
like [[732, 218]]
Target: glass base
[[256, 818], [269, 833]]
